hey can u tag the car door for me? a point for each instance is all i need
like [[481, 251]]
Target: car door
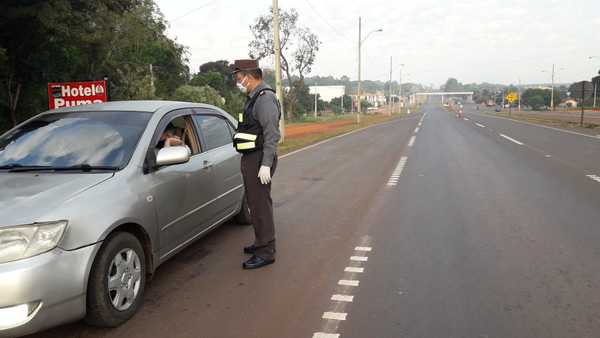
[[182, 192], [216, 135]]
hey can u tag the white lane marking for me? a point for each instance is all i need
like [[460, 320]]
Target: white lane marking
[[466, 119], [346, 282], [548, 156], [512, 139], [479, 125], [393, 180], [363, 248], [359, 258], [416, 130], [411, 142], [326, 335], [594, 177], [342, 298], [353, 269], [335, 315]]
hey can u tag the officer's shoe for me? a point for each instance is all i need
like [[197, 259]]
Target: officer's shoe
[[250, 249], [256, 262]]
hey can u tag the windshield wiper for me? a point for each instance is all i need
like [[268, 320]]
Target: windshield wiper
[[86, 167], [20, 167], [78, 167]]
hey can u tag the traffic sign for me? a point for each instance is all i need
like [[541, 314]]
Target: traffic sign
[[512, 97]]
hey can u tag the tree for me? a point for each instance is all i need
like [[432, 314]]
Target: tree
[[452, 85], [336, 104], [299, 47], [204, 94], [73, 40], [537, 98]]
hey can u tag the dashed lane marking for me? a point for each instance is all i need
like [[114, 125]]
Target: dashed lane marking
[[348, 282], [325, 335], [359, 258], [393, 181], [466, 119], [412, 141], [363, 248], [512, 139], [335, 315], [479, 125], [416, 130], [594, 177], [342, 298], [354, 269]]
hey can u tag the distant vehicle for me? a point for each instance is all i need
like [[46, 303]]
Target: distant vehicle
[[446, 105], [94, 199], [498, 109]]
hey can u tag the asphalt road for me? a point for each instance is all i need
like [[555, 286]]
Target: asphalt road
[[467, 228]]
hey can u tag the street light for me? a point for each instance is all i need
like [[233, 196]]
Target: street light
[[552, 92], [360, 42]]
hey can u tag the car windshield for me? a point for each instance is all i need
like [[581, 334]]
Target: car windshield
[[60, 140]]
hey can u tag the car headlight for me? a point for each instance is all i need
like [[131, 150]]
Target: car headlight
[[26, 241]]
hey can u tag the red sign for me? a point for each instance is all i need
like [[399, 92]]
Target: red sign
[[70, 94]]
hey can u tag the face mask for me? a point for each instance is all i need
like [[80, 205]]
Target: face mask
[[241, 87]]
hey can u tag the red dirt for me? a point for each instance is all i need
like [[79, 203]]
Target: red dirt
[[302, 129]]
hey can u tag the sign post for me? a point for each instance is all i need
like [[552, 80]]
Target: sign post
[[511, 98], [70, 94]]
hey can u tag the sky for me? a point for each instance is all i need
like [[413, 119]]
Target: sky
[[496, 41]]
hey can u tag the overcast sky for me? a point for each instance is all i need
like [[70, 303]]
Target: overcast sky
[[499, 41]]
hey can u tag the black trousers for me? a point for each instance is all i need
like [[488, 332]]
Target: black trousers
[[260, 203]]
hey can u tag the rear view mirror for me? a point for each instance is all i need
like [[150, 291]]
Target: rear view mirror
[[172, 155]]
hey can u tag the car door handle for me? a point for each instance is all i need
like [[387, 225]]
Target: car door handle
[[207, 164]]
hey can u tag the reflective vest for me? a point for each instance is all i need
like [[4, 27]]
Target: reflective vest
[[249, 135]]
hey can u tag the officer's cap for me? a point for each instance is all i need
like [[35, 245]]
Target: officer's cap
[[247, 64]]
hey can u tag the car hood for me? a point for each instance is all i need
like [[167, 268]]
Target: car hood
[[25, 198]]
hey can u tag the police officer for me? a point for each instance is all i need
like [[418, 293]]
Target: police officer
[[256, 138]]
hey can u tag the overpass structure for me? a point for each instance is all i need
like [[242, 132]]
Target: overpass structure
[[468, 95]]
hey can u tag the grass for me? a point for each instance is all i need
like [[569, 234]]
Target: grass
[[545, 121], [295, 143]]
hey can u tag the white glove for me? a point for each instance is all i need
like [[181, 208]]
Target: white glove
[[264, 174]]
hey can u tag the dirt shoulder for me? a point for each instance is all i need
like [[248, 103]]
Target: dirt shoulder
[[568, 120], [299, 135]]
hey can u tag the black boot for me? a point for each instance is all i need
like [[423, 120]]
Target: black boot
[[256, 262]]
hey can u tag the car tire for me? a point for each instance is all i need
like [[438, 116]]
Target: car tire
[[244, 217], [121, 258]]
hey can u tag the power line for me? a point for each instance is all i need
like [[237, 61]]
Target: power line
[[325, 20], [194, 10]]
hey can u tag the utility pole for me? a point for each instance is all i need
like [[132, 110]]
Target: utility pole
[[278, 87], [359, 78], [519, 92], [391, 99], [552, 93]]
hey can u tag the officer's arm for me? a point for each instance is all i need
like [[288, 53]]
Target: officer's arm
[[266, 112]]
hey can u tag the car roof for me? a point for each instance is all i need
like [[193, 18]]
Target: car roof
[[150, 106]]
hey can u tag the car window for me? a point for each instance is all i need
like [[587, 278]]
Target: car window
[[100, 138], [179, 131], [214, 130]]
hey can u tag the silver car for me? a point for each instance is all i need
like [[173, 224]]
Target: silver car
[[94, 198]]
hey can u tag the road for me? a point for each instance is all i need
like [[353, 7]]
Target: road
[[427, 226]]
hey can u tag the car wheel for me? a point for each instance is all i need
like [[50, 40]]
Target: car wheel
[[117, 281], [244, 217]]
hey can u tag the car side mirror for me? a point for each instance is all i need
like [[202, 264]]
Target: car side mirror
[[172, 155]]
